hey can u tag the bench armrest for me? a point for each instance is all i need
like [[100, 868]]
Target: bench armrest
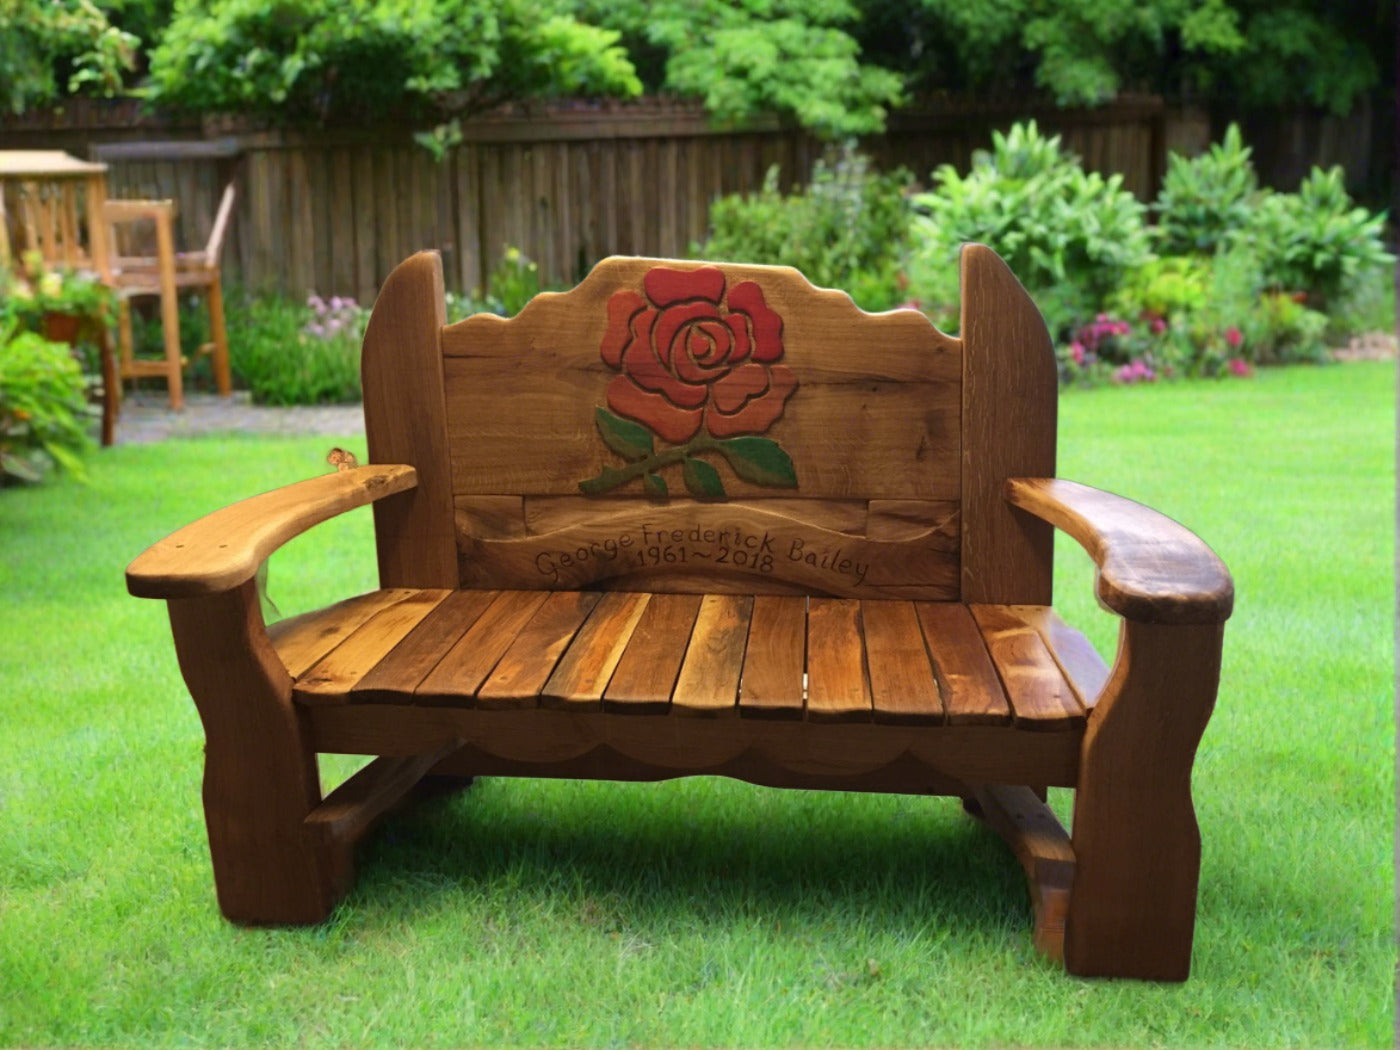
[[224, 549], [1151, 569]]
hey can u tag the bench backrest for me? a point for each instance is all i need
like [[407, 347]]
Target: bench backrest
[[706, 427]]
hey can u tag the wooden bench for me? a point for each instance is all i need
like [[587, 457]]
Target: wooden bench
[[707, 519]]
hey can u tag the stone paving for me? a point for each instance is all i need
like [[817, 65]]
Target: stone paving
[[146, 417]]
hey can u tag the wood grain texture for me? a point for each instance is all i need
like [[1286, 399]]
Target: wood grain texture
[[222, 550], [776, 659], [1081, 663], [399, 673], [749, 544], [972, 692], [333, 677], [902, 685], [647, 672], [1009, 394], [401, 370], [1151, 569], [302, 640], [883, 423], [494, 516], [351, 809], [709, 678], [1043, 849], [837, 687], [544, 514], [1040, 697], [260, 775], [1136, 840], [465, 666], [583, 674], [526, 665]]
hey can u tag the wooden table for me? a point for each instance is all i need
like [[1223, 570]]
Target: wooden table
[[49, 215]]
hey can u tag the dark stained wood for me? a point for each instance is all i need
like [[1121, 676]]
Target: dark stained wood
[[397, 675], [709, 677], [1009, 396], [902, 685], [524, 668], [1081, 663], [1040, 697], [972, 692], [776, 659], [647, 672], [401, 368], [1136, 841], [335, 675], [1043, 848], [837, 688], [352, 808], [1151, 569], [465, 666], [586, 668]]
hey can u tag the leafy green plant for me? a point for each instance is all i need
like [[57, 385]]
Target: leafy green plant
[[43, 407], [373, 60], [847, 229], [1068, 234], [1208, 199], [289, 353], [1317, 241], [57, 48]]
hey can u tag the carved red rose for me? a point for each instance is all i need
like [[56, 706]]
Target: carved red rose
[[689, 357]]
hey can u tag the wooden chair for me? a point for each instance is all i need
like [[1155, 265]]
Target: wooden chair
[[165, 274], [707, 519]]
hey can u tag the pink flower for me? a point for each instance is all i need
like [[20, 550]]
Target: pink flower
[[1233, 337], [1158, 326], [1240, 367], [1076, 351]]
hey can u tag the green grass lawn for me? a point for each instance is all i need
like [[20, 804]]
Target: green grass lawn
[[708, 912]]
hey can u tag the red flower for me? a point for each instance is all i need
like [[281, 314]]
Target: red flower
[[688, 358]]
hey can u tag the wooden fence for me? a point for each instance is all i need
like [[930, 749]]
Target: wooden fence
[[334, 211]]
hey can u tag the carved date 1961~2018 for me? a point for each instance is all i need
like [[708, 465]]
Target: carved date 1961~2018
[[730, 548]]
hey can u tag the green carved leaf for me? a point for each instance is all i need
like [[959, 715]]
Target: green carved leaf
[[655, 485], [702, 479], [760, 460], [629, 440]]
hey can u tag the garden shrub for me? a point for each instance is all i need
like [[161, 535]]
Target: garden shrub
[[43, 407], [847, 229], [1206, 200], [1067, 234], [289, 353]]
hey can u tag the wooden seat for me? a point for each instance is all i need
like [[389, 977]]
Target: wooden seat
[[764, 656], [703, 518], [164, 275]]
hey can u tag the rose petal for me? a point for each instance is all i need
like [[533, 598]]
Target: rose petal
[[749, 380], [622, 308], [676, 425], [639, 363], [747, 298], [676, 321], [758, 413], [665, 286], [715, 340], [739, 325]]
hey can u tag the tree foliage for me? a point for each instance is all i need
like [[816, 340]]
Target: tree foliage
[[51, 49]]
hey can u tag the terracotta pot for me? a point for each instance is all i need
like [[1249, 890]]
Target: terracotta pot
[[62, 328]]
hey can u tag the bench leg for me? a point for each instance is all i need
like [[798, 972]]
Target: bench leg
[[260, 778], [1136, 842]]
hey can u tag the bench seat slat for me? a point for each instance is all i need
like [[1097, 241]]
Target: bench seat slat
[[837, 689], [972, 693], [338, 672], [526, 665], [776, 659], [1040, 697], [709, 678], [396, 676], [902, 686], [818, 659], [647, 672], [585, 669], [465, 666]]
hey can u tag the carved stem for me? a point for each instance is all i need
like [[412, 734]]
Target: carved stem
[[611, 477]]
